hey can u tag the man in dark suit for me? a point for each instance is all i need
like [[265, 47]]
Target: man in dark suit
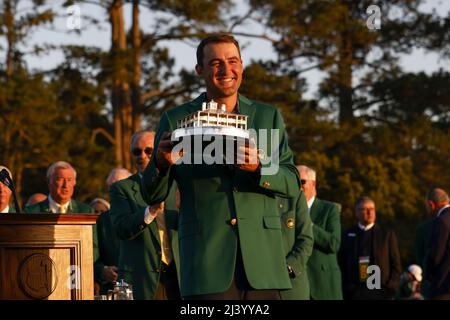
[[438, 262], [148, 255], [61, 181], [323, 269], [368, 244], [106, 253], [5, 195], [422, 245], [231, 245]]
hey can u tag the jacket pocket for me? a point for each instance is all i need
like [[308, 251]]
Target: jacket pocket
[[272, 222]]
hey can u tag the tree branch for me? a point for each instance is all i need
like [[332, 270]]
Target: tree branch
[[104, 133]]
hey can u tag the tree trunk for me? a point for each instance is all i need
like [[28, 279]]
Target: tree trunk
[[135, 84], [120, 99], [10, 36], [344, 78], [344, 73]]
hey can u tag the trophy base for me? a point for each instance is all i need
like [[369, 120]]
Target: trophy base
[[210, 131], [210, 145]]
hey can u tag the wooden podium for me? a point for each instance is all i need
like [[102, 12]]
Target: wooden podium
[[46, 256]]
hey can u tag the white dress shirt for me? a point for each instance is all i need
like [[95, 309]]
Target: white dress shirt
[[56, 207]]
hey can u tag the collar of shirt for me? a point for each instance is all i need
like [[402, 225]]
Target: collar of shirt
[[6, 210], [310, 202], [442, 209], [366, 228], [54, 206]]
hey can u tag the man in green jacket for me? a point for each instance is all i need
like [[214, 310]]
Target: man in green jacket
[[298, 244], [323, 269], [148, 255], [61, 180], [231, 244]]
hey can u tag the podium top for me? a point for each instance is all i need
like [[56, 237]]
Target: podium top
[[48, 218]]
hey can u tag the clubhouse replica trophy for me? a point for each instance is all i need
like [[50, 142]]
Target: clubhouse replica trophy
[[211, 121], [229, 130]]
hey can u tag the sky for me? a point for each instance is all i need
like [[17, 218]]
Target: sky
[[252, 49]]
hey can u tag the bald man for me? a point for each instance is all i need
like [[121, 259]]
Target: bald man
[[35, 198], [438, 261]]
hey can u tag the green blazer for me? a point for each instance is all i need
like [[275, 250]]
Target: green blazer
[[212, 195], [44, 207], [421, 247], [298, 244], [323, 268], [140, 249]]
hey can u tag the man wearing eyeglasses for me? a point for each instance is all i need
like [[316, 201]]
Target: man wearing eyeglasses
[[148, 255], [323, 269], [368, 244]]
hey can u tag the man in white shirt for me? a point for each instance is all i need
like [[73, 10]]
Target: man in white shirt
[[61, 181], [323, 269], [148, 255], [367, 244]]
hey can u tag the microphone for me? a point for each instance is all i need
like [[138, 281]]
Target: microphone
[[6, 179], [4, 175]]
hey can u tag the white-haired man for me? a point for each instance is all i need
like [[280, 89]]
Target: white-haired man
[[323, 269], [61, 180]]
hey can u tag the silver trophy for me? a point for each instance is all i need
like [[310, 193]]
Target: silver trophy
[[212, 121], [211, 126]]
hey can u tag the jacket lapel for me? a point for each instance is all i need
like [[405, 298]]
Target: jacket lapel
[[315, 210], [45, 206], [72, 208], [246, 108], [377, 245]]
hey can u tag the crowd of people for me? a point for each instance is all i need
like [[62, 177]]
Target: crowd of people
[[209, 231]]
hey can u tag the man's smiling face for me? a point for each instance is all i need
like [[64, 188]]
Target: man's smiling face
[[222, 69]]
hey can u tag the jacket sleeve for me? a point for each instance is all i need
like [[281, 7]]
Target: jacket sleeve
[[98, 263], [395, 263], [298, 257], [328, 239], [157, 185], [127, 221], [280, 176], [438, 246]]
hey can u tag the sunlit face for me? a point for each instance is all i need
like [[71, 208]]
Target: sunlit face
[[62, 184], [365, 213], [222, 69], [5, 196], [142, 150], [308, 186]]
